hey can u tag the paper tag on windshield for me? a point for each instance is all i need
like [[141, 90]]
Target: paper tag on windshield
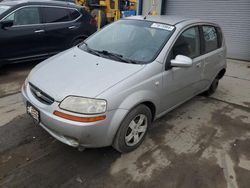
[[162, 26]]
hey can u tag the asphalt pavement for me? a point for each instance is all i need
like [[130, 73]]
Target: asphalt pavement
[[203, 143]]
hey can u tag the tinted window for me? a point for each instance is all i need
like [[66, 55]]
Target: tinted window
[[188, 43], [211, 38], [25, 16], [73, 14], [53, 15]]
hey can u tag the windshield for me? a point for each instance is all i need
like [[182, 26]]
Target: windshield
[[139, 41], [3, 8]]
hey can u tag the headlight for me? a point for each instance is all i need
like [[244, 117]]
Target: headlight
[[83, 105]]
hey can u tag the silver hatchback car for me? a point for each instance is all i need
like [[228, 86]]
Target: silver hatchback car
[[109, 89]]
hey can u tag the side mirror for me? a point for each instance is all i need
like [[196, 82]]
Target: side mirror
[[181, 61], [6, 23]]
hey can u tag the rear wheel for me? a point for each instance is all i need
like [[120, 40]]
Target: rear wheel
[[212, 87], [133, 129]]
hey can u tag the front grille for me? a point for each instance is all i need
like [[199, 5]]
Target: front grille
[[40, 95]]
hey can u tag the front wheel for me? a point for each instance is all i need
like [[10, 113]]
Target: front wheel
[[133, 129]]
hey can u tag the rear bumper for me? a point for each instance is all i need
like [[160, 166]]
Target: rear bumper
[[94, 134]]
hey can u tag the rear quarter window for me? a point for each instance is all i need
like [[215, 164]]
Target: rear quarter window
[[74, 14], [220, 36]]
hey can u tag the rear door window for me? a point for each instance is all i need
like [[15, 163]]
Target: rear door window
[[25, 16], [211, 41], [55, 15]]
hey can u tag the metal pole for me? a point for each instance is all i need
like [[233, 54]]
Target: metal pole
[[163, 7], [139, 7], [99, 20]]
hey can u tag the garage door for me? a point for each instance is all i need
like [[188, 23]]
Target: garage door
[[232, 15]]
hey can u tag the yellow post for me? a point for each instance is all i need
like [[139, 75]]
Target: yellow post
[[117, 11], [99, 20]]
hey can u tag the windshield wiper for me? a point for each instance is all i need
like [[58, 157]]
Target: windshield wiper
[[106, 53], [91, 50], [117, 56]]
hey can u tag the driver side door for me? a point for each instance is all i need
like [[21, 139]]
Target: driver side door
[[182, 83], [25, 39]]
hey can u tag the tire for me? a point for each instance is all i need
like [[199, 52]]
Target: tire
[[128, 139], [94, 13], [211, 90]]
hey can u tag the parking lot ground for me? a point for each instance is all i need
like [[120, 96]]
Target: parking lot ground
[[203, 143], [13, 76]]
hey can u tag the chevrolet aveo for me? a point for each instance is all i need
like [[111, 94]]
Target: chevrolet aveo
[[109, 89]]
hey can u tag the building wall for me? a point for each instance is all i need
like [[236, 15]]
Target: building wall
[[232, 15]]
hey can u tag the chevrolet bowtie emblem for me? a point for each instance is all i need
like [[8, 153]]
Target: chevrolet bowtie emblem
[[38, 93]]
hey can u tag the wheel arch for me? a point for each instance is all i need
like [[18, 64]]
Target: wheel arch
[[151, 106], [221, 73], [127, 103], [145, 97], [147, 103]]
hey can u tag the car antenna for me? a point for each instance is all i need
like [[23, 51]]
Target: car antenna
[[145, 17]]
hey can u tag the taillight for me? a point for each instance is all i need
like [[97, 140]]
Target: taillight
[[93, 21]]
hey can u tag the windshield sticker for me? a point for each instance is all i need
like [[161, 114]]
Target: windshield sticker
[[162, 26]]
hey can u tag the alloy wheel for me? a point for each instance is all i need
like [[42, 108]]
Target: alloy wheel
[[136, 130]]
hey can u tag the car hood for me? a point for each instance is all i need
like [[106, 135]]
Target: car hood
[[76, 72]]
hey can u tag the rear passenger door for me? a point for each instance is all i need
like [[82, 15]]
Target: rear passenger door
[[60, 29], [214, 54]]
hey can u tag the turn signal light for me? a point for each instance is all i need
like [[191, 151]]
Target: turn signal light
[[79, 119]]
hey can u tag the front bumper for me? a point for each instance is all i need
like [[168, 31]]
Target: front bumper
[[94, 134]]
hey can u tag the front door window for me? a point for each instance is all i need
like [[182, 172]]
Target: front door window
[[25, 16], [188, 43]]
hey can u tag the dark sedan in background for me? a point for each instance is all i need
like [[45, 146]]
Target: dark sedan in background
[[32, 30]]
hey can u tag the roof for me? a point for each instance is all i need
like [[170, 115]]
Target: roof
[[49, 2], [171, 20]]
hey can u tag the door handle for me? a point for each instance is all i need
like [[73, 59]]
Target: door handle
[[72, 27], [198, 65], [39, 31]]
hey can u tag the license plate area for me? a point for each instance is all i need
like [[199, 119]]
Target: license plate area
[[33, 112]]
